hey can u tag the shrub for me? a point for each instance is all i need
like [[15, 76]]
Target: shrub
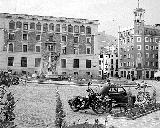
[[60, 114]]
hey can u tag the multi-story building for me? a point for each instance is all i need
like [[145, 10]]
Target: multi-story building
[[138, 48], [108, 62], [42, 44]]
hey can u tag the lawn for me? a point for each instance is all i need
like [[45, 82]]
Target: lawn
[[35, 107]]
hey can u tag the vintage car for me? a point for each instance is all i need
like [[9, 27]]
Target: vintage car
[[117, 96]]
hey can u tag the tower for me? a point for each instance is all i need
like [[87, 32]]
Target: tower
[[138, 19], [138, 40]]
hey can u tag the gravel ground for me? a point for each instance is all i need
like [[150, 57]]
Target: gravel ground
[[35, 107]]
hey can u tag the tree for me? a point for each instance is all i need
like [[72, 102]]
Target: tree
[[7, 103], [60, 114]]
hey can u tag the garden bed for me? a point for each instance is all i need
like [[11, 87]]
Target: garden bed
[[137, 111]]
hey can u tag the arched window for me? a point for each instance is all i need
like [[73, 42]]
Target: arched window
[[76, 29], [38, 26], [51, 26], [64, 28], [10, 47], [25, 25], [88, 30], [11, 24], [57, 27], [32, 25], [82, 29], [45, 27], [70, 28], [18, 24]]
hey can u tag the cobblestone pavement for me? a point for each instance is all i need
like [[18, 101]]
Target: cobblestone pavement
[[36, 108]]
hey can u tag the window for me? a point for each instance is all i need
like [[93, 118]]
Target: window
[[51, 48], [38, 37], [101, 56], [156, 64], [88, 63], [23, 61], [70, 28], [25, 36], [38, 48], [88, 73], [88, 50], [131, 47], [147, 47], [128, 63], [147, 55], [128, 39], [88, 30], [88, 40], [18, 24], [156, 40], [156, 56], [63, 50], [82, 29], [11, 36], [124, 41], [45, 27], [128, 55], [139, 47], [147, 63], [64, 38], [57, 27], [63, 63], [76, 29], [37, 62], [10, 61], [24, 48], [151, 47], [10, 47], [64, 28], [76, 50], [121, 64], [146, 39], [32, 25], [76, 39], [138, 39], [38, 26], [153, 56], [51, 38], [75, 73], [76, 63], [11, 24], [156, 47], [151, 40], [51, 26], [111, 61], [25, 26]]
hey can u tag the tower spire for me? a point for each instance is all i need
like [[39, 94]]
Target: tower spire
[[138, 3]]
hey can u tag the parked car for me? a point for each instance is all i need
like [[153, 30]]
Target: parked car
[[118, 96]]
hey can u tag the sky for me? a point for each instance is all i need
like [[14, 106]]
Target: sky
[[110, 13]]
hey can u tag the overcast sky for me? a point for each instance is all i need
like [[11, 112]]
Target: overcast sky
[[110, 13]]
